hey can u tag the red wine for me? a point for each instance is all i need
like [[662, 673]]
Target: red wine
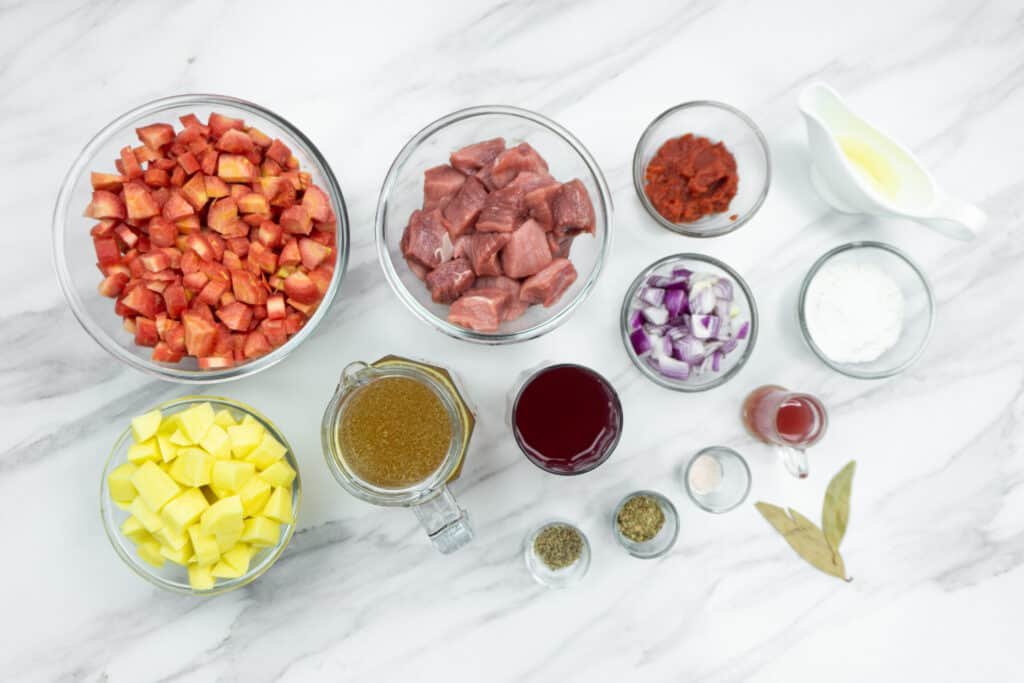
[[567, 419]]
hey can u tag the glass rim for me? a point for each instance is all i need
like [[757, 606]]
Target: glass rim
[[845, 368], [112, 345], [718, 451], [395, 280], [681, 228]]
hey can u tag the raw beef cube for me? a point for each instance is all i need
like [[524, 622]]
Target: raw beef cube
[[572, 209], [423, 238], [482, 250], [474, 157], [528, 181], [515, 310], [448, 281], [548, 286], [520, 159], [481, 309], [503, 210], [461, 246], [439, 186], [464, 208], [417, 270], [527, 252], [560, 244], [538, 205], [499, 282]]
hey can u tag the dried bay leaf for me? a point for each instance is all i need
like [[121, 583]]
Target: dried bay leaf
[[805, 538], [835, 513]]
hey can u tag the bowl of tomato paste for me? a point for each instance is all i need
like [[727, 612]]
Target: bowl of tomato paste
[[702, 169]]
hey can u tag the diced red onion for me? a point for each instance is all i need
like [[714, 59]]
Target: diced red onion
[[702, 300], [674, 301], [665, 282], [744, 329], [640, 341], [670, 367], [655, 315], [705, 326], [716, 359], [636, 319], [729, 345], [652, 296], [681, 272], [722, 289], [689, 349]]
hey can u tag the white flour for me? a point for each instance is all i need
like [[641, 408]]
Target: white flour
[[854, 312]]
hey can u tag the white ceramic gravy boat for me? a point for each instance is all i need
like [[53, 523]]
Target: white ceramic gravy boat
[[858, 169]]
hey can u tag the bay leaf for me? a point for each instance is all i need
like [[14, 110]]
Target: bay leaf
[[835, 512], [804, 537]]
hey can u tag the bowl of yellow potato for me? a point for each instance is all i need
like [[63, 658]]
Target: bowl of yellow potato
[[200, 495]]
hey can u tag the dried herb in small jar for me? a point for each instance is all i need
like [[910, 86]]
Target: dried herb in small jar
[[558, 546], [640, 519]]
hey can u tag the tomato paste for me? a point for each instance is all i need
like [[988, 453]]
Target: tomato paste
[[691, 177]]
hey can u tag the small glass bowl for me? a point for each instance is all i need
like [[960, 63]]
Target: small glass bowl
[[742, 297], [733, 487], [173, 577], [555, 578], [666, 536], [75, 258], [918, 301], [720, 123], [402, 192]]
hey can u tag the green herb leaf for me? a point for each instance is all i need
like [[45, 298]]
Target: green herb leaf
[[835, 513], [805, 538]]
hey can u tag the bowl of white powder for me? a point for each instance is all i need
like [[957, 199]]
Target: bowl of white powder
[[866, 309]]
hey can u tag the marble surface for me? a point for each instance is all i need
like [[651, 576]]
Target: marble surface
[[936, 543]]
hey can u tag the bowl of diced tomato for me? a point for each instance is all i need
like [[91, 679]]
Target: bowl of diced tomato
[[200, 238]]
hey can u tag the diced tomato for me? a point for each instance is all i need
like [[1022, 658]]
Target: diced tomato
[[218, 245], [295, 322], [298, 286], [143, 301], [220, 124], [156, 135], [215, 187], [257, 344], [295, 220], [235, 316], [247, 287], [234, 168], [238, 246], [177, 207], [279, 152], [163, 353], [222, 214], [175, 300], [156, 177], [313, 253], [145, 155], [269, 167], [200, 335], [317, 205], [321, 277], [113, 285], [254, 203], [269, 234], [105, 204], [303, 307], [230, 259], [178, 176], [275, 331], [187, 224], [107, 252], [194, 282], [215, 362], [145, 332], [107, 181], [200, 246], [276, 307], [210, 294], [155, 261], [194, 191], [130, 166], [235, 141], [162, 232], [126, 236], [290, 255], [189, 163]]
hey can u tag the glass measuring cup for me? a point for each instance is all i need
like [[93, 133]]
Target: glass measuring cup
[[445, 522], [791, 421]]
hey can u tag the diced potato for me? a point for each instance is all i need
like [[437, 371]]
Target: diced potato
[[168, 450], [196, 421], [223, 570], [150, 520], [132, 529], [180, 556], [238, 557], [171, 537], [120, 483], [154, 485], [224, 419], [192, 467], [279, 507], [223, 517], [146, 451], [180, 438], [254, 496], [205, 546], [269, 451], [261, 532], [123, 506], [219, 493], [231, 475], [185, 509], [144, 427], [150, 552], [200, 577], [217, 443], [278, 474], [244, 438], [227, 540]]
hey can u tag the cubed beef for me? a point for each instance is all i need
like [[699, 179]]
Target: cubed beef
[[482, 250], [548, 286], [528, 181], [539, 203], [480, 309], [462, 211], [527, 252], [499, 282], [520, 159], [448, 281], [461, 245], [515, 310], [439, 186], [560, 244], [572, 209], [503, 210], [474, 157], [417, 269], [423, 238]]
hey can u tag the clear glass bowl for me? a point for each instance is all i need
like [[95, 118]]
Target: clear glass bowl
[[733, 487], [918, 301], [742, 297], [75, 259], [171, 576], [720, 123], [555, 578], [402, 193], [662, 541]]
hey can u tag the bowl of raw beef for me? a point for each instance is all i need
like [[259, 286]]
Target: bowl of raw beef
[[493, 224]]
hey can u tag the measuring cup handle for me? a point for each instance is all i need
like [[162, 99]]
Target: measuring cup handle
[[794, 459], [957, 219], [445, 522]]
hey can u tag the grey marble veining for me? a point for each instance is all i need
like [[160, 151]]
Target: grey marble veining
[[936, 542]]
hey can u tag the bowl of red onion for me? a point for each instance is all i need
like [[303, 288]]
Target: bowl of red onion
[[689, 322]]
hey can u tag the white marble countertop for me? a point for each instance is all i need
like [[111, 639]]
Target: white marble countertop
[[936, 541]]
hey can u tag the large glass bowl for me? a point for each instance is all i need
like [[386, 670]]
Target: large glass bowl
[[402, 193], [719, 123], [75, 258], [171, 576]]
